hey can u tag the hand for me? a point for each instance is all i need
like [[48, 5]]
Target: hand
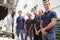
[[37, 33], [43, 31], [25, 31]]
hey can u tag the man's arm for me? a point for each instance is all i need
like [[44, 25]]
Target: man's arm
[[25, 30], [52, 23], [35, 27], [30, 28]]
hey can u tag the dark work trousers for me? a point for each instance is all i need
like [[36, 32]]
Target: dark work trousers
[[37, 37]]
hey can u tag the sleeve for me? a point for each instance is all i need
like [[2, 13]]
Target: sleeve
[[35, 20], [53, 15]]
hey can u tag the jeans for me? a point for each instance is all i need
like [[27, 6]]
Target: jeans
[[30, 35], [49, 36], [18, 32]]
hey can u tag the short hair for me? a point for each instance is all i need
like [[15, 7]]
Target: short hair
[[45, 1], [28, 13], [34, 9], [41, 10], [20, 11]]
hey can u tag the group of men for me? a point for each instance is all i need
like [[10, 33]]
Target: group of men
[[41, 27]]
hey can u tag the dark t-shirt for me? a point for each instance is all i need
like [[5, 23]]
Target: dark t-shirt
[[28, 23], [47, 19], [37, 22], [20, 23]]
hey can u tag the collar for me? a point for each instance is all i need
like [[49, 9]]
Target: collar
[[47, 12]]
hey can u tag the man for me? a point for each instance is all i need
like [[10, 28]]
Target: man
[[29, 26], [36, 26], [40, 13], [49, 19], [10, 22], [20, 25]]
